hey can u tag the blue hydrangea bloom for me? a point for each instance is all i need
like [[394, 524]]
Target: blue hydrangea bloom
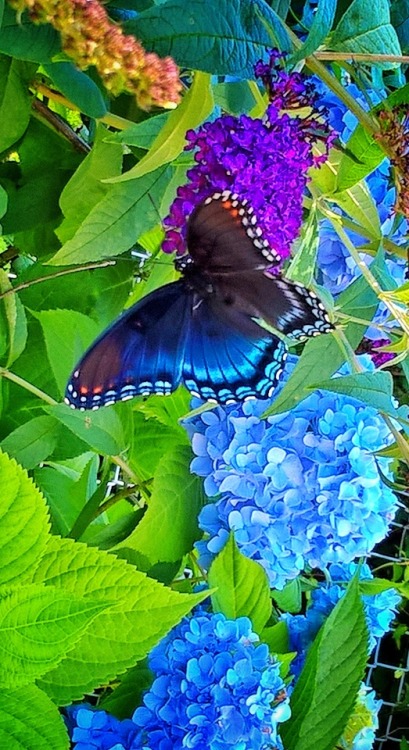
[[216, 687], [298, 489], [380, 610], [93, 729]]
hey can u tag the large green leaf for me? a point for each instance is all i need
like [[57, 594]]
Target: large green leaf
[[24, 523], [196, 107], [326, 691], [372, 388], [33, 441], [400, 22], [227, 37], [365, 27], [102, 430], [241, 586], [29, 720], [22, 39], [39, 625], [169, 527], [116, 222], [142, 611], [78, 88], [15, 100]]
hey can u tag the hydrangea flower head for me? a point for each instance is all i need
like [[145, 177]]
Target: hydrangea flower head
[[298, 489], [93, 729], [264, 161], [216, 687], [360, 731]]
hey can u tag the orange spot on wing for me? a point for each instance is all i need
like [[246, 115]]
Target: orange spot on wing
[[83, 390]]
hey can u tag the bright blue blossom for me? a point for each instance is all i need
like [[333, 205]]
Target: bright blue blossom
[[298, 489], [216, 687], [264, 161], [93, 729], [380, 609]]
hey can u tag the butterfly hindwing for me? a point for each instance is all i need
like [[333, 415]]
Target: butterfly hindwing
[[141, 353], [228, 356]]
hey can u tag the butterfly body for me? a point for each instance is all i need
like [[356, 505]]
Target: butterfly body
[[202, 330]]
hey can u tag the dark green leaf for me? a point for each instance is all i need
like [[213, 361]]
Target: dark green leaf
[[3, 202], [15, 100], [32, 442], [227, 39], [290, 598], [234, 97], [326, 691], [365, 27], [169, 527], [276, 636], [400, 22], [373, 388], [22, 39], [129, 693], [321, 26], [117, 221], [78, 88], [101, 430], [140, 134], [241, 586]]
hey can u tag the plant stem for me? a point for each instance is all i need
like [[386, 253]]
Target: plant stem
[[28, 386], [27, 284]]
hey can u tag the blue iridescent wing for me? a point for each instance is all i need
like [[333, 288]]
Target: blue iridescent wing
[[141, 353], [228, 356]]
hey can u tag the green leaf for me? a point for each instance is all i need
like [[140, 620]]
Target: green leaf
[[276, 637], [366, 151], [86, 188], [15, 100], [242, 586], [169, 527], [365, 27], [1, 12], [227, 39], [196, 107], [39, 625], [373, 388], [22, 39], [33, 441], [400, 22], [290, 598], [29, 720], [234, 97], [114, 224], [140, 134], [78, 88], [129, 693], [15, 320], [3, 202], [326, 691], [142, 612], [321, 26], [101, 430], [67, 334], [24, 523], [151, 440], [302, 266]]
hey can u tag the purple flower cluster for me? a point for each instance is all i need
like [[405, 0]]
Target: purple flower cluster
[[298, 489], [380, 610], [216, 687], [263, 161]]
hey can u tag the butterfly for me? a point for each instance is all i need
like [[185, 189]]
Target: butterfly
[[203, 330]]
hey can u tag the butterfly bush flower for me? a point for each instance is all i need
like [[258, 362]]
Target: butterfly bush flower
[[90, 38], [264, 161], [380, 609], [215, 687], [298, 489]]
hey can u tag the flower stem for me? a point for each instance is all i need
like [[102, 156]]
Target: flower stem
[[28, 386]]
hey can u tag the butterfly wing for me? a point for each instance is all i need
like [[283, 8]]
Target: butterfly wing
[[223, 237], [141, 353], [228, 356], [286, 305]]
